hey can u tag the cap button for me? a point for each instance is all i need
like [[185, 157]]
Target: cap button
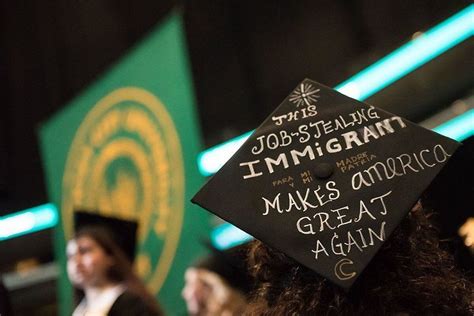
[[323, 170]]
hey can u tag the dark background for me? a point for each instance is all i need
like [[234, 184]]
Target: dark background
[[246, 56]]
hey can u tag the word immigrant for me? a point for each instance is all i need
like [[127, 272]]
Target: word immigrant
[[348, 140]]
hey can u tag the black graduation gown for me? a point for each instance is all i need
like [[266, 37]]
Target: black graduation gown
[[129, 304]]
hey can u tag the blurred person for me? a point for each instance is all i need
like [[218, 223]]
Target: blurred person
[[466, 232], [99, 267], [218, 284]]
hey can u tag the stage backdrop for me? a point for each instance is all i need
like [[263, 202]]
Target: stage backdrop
[[127, 147]]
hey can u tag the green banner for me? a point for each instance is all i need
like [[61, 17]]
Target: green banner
[[127, 146]]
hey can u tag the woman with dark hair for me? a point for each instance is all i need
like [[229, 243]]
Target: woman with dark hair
[[102, 275], [410, 275]]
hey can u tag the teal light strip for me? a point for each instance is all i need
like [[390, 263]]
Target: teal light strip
[[212, 159], [458, 128], [28, 221], [369, 81], [226, 236], [410, 56]]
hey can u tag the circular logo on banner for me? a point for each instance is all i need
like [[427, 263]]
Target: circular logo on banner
[[125, 161]]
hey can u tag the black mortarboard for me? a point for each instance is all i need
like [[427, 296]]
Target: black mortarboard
[[123, 232], [230, 264], [326, 179]]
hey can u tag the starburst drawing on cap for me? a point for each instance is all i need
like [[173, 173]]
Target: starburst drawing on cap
[[304, 94]]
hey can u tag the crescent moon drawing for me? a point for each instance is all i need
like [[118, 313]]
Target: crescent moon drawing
[[340, 274]]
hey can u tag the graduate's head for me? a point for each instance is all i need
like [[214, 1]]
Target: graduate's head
[[95, 255], [410, 275], [323, 183]]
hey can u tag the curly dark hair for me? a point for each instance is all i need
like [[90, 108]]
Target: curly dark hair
[[410, 275]]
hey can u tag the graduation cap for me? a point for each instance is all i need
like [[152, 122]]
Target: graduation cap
[[122, 232], [326, 179]]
